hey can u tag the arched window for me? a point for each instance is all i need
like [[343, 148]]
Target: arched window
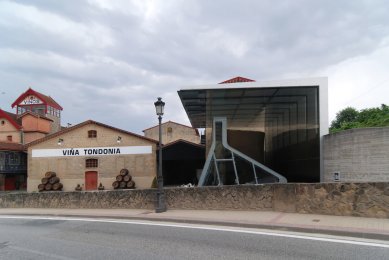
[[91, 163], [92, 133]]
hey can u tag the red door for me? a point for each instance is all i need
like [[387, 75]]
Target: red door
[[90, 180], [9, 183]]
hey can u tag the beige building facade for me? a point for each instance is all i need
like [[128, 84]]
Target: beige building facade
[[91, 153], [9, 131], [172, 131]]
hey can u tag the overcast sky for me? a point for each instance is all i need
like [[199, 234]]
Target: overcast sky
[[108, 60]]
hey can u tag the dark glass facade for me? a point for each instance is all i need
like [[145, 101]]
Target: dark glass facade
[[287, 118]]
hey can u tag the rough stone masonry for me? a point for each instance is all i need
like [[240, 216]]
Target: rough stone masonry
[[342, 199]]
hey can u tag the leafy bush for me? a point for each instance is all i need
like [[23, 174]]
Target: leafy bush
[[349, 118]]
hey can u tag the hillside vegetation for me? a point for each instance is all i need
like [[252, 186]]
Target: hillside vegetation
[[349, 118]]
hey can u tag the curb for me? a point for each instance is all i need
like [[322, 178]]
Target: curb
[[278, 227]]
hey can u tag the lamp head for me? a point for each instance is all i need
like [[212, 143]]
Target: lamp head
[[159, 107]]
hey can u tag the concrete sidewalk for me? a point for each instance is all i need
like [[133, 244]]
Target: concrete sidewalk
[[334, 225]]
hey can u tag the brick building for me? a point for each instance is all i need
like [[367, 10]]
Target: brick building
[[37, 115], [172, 131], [91, 153], [41, 106]]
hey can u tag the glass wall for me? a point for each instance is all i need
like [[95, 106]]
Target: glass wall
[[287, 117]]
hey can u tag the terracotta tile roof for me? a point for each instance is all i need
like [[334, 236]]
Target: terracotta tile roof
[[11, 147], [46, 99], [237, 80], [12, 118], [69, 129], [197, 131]]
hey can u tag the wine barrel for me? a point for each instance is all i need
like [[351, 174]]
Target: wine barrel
[[57, 186], [50, 174], [131, 184], [45, 180], [122, 184], [48, 186], [53, 180], [123, 172], [127, 178], [115, 184], [101, 187], [41, 187], [119, 178]]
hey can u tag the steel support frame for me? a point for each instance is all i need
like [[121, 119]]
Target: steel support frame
[[212, 157]]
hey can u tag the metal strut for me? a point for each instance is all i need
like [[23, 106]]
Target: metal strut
[[217, 143]]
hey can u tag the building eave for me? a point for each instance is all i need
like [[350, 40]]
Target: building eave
[[88, 122]]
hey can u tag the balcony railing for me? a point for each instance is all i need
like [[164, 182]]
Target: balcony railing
[[13, 168]]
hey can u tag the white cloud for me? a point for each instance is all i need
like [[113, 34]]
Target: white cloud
[[91, 35], [360, 82], [110, 60], [216, 40]]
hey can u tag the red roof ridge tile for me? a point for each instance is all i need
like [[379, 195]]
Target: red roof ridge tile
[[11, 117], [237, 79], [47, 99]]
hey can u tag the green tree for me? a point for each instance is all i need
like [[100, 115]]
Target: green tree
[[351, 118], [347, 115]]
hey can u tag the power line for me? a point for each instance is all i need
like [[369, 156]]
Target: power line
[[367, 91]]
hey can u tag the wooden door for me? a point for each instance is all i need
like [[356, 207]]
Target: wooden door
[[9, 183], [91, 180]]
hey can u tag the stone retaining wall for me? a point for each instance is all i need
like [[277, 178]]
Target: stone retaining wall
[[344, 199]]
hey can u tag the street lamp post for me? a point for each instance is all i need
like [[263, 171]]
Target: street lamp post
[[161, 205]]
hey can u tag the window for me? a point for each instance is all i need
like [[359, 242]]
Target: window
[[39, 109], [2, 122], [92, 133], [9, 138], [14, 158], [91, 163], [55, 112], [21, 110], [2, 159], [169, 131]]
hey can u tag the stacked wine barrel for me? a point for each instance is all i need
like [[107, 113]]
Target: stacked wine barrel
[[123, 180], [50, 183]]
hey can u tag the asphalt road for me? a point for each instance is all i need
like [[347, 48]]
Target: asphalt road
[[82, 239]]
